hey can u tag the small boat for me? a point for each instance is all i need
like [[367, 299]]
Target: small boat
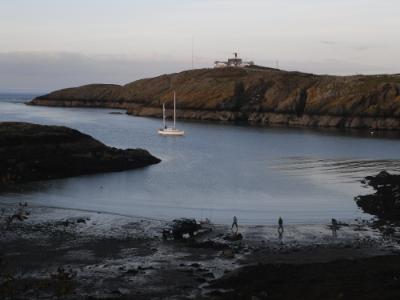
[[168, 130]]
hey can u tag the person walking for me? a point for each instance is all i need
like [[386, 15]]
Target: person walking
[[235, 224]]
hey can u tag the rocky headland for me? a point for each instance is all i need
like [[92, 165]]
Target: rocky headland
[[256, 95], [31, 152]]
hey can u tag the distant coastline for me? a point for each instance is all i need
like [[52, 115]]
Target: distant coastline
[[254, 94]]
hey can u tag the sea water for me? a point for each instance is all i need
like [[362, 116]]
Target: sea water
[[215, 171]]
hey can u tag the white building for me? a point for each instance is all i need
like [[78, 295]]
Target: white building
[[235, 62]]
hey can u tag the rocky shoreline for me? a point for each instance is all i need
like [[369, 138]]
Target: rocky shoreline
[[275, 119], [31, 152], [252, 118], [385, 202], [89, 255], [255, 95]]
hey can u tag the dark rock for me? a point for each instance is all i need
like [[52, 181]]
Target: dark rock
[[385, 202], [132, 272], [208, 245], [145, 268], [228, 253], [233, 237], [209, 275], [365, 278], [201, 280], [183, 226], [30, 152]]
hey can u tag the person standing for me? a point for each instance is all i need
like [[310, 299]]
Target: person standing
[[280, 228], [334, 228]]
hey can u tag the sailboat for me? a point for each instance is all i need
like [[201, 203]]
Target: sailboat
[[168, 130]]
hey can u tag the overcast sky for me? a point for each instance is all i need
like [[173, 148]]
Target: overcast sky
[[49, 44]]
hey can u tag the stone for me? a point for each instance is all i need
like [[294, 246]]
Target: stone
[[228, 253], [31, 152]]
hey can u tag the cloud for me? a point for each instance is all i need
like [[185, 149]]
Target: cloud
[[347, 45], [330, 66], [330, 43], [343, 67], [41, 71], [45, 71], [363, 47]]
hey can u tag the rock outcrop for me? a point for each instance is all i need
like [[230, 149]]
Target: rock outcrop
[[385, 202], [254, 94], [30, 152]]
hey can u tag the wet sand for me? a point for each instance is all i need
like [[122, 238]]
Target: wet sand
[[87, 255]]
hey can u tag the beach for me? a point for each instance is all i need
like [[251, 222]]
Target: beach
[[93, 255]]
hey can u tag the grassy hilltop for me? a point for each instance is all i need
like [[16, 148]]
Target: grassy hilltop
[[253, 94]]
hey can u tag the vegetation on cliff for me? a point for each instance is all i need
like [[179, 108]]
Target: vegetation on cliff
[[30, 152], [254, 94]]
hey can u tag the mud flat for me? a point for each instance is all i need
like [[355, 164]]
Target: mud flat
[[91, 255]]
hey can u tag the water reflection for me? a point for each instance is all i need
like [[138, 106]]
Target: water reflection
[[342, 170], [216, 171]]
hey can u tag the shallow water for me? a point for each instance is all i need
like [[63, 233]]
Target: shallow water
[[215, 171]]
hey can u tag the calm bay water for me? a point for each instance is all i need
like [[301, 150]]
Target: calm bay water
[[215, 171]]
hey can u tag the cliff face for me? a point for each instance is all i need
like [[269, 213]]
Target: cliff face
[[30, 152], [257, 95]]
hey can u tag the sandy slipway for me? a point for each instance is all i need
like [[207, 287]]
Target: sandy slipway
[[58, 253]]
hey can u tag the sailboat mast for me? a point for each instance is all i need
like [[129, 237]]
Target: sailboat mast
[[163, 115], [174, 110]]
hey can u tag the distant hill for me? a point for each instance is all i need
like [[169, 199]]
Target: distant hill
[[254, 94]]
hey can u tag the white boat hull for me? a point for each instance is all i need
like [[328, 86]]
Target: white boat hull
[[170, 131]]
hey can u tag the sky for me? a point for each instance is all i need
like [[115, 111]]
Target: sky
[[51, 44]]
